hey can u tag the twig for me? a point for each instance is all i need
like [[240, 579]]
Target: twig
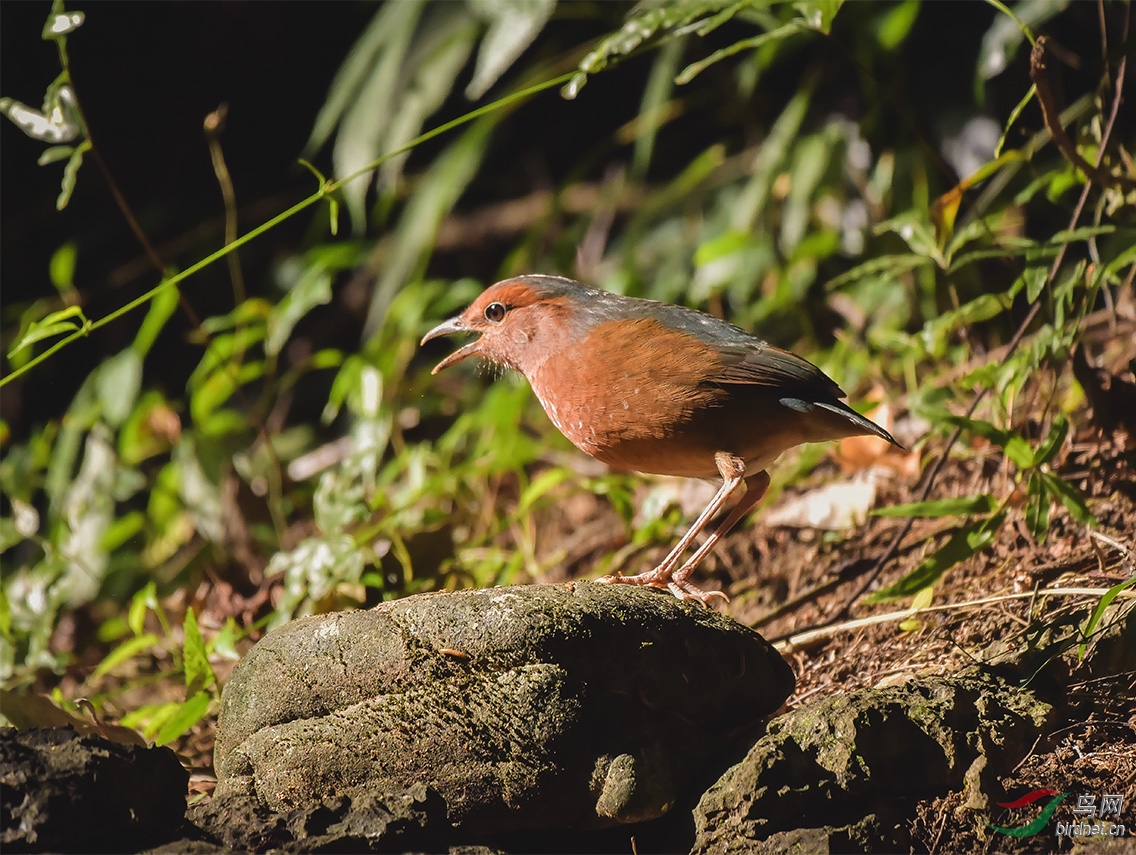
[[1039, 74], [800, 639]]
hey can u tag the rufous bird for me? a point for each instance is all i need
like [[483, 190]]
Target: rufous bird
[[651, 387]]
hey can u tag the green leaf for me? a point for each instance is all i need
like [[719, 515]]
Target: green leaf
[[52, 325], [1095, 618], [753, 43], [1015, 447], [220, 387], [312, 289], [117, 384], [966, 541], [1037, 507], [61, 268], [140, 603], [1035, 279], [161, 309], [59, 23], [1019, 451], [1053, 440], [961, 506], [127, 650], [433, 198], [54, 154], [921, 600], [891, 267], [893, 26], [1001, 42], [187, 715], [198, 672], [645, 24], [513, 26], [225, 642], [936, 333], [546, 481], [1071, 498], [121, 530], [818, 14], [70, 175], [391, 24]]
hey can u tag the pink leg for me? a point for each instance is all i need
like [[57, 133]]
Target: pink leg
[[732, 469], [755, 489]]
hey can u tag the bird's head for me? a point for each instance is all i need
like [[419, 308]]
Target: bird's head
[[521, 322]]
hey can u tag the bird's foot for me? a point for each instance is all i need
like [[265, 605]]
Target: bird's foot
[[654, 579]]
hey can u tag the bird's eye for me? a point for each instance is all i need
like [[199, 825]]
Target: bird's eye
[[495, 312]]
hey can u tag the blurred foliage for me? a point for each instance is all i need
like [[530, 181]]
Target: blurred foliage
[[844, 234]]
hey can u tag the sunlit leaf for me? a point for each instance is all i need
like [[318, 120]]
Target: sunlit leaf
[[61, 268], [1037, 507], [141, 603], [966, 541], [895, 23], [513, 25], [1071, 498], [695, 68], [60, 23], [198, 672], [963, 505], [313, 289], [1105, 601], [52, 325], [51, 128], [54, 154], [70, 175], [133, 646], [119, 381], [1001, 42], [541, 486], [122, 530], [1053, 440], [185, 717], [161, 309], [818, 14], [645, 24]]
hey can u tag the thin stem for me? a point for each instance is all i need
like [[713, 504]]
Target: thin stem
[[325, 190]]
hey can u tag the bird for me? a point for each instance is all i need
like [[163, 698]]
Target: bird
[[656, 388]]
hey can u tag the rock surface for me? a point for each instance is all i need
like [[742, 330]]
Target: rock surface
[[822, 774], [63, 792], [523, 707]]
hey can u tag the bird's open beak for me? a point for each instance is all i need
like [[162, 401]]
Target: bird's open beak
[[453, 325]]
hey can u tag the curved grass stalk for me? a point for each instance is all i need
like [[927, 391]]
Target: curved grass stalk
[[327, 188]]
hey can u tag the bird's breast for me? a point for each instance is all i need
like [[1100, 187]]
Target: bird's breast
[[629, 393]]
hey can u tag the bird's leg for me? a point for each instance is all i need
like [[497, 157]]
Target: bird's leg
[[755, 489], [732, 469]]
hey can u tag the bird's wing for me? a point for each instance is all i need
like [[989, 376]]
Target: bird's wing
[[765, 365]]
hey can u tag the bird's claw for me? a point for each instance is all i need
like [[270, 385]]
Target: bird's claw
[[683, 590]]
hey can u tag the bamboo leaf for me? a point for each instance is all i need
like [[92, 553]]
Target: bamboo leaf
[[127, 650], [966, 541], [961, 506], [1037, 507], [1094, 619], [513, 25], [187, 715], [198, 672], [1071, 498]]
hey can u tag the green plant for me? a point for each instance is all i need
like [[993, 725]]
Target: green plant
[[741, 188]]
